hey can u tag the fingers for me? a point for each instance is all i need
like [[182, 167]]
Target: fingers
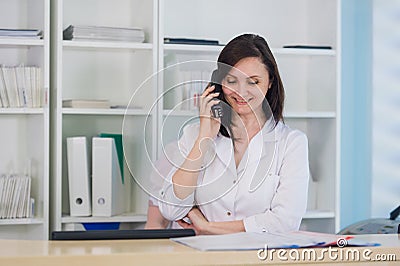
[[212, 97], [206, 109], [208, 90], [187, 226], [212, 102], [209, 95], [183, 224], [208, 99]]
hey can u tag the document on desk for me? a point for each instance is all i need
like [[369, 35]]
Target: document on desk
[[252, 241], [255, 241]]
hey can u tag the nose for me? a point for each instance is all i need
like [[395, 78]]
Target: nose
[[241, 90]]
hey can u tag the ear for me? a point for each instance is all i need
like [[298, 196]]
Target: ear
[[271, 81]]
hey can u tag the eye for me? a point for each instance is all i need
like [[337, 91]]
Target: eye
[[230, 81], [252, 82]]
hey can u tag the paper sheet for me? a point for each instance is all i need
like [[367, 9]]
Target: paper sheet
[[255, 241]]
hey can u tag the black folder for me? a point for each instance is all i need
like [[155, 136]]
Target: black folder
[[190, 41], [121, 234]]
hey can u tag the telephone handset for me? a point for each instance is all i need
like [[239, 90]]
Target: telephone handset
[[216, 109]]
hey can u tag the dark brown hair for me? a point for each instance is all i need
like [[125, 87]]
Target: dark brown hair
[[251, 45]]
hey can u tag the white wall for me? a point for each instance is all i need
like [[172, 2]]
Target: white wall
[[386, 108]]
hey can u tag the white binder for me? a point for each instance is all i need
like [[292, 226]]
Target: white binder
[[108, 190], [78, 177]]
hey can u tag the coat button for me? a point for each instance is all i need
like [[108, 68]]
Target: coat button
[[228, 213]]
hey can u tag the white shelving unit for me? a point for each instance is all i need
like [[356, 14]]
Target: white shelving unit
[[125, 218], [24, 134], [103, 70], [27, 111], [112, 70], [108, 45], [89, 111], [311, 76], [19, 42]]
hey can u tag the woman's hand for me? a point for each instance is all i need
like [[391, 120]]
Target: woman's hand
[[198, 222], [209, 126], [202, 226]]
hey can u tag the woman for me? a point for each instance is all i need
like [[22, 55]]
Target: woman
[[246, 171]]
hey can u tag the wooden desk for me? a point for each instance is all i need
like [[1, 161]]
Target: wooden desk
[[157, 252]]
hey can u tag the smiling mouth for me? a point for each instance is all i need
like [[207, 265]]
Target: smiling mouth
[[241, 101]]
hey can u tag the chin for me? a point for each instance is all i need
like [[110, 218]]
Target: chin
[[243, 110], [246, 110]]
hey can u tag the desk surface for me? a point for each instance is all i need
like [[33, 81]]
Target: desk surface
[[162, 252]]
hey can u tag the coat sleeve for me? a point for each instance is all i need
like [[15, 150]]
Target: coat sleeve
[[171, 207], [289, 203]]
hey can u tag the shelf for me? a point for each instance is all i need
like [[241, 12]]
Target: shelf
[[107, 45], [21, 42], [23, 111], [180, 113], [297, 51], [291, 115], [88, 111], [188, 48], [124, 218], [315, 214], [193, 48], [21, 221]]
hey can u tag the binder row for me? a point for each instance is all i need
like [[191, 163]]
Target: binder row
[[21, 86], [15, 197], [102, 194]]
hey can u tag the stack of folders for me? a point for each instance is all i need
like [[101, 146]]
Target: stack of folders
[[103, 195], [15, 197], [172, 40], [86, 103], [97, 33], [21, 87], [21, 33]]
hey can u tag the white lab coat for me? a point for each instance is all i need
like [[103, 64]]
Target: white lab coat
[[268, 189]]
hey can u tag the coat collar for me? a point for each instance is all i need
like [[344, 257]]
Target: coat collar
[[270, 131]]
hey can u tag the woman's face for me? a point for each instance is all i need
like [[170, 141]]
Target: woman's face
[[246, 85]]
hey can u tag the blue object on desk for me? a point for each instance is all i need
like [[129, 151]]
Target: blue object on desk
[[101, 226]]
